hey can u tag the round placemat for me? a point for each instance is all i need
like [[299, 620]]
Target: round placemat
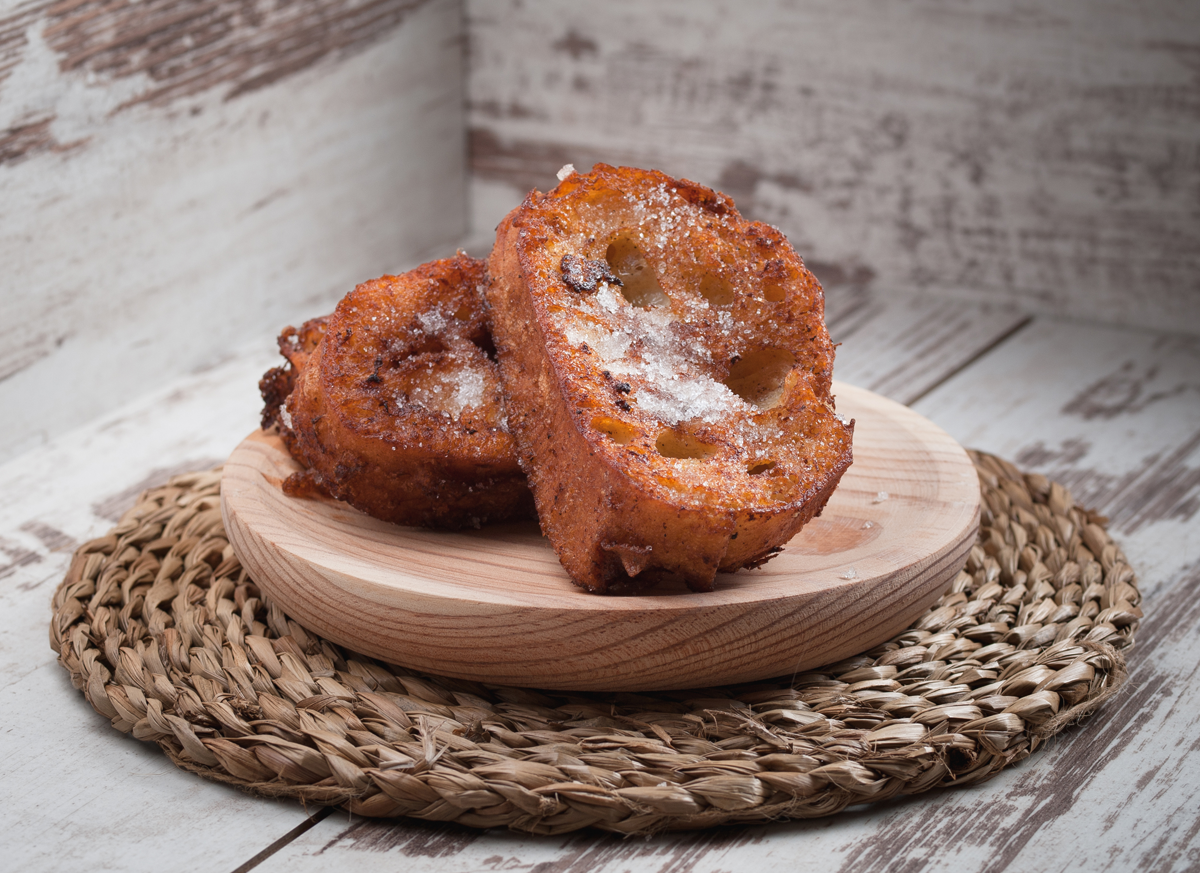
[[166, 635]]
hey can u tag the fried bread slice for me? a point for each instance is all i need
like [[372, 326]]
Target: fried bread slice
[[667, 378], [396, 408]]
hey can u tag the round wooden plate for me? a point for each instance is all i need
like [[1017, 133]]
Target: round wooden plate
[[494, 605]]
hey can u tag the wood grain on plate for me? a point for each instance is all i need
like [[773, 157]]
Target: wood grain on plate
[[494, 604]]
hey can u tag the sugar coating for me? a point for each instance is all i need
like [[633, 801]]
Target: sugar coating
[[450, 387], [645, 345], [433, 322], [677, 399], [451, 382]]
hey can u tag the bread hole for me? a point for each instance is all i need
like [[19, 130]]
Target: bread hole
[[684, 446], [716, 290], [616, 430], [758, 376], [757, 468], [422, 344], [773, 292], [442, 384], [639, 283], [482, 340]]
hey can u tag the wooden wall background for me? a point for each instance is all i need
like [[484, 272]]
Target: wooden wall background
[[179, 176], [1041, 154]]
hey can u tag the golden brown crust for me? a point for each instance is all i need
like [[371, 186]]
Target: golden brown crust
[[667, 373], [278, 382], [398, 409]]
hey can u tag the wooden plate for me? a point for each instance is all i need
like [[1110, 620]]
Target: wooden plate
[[494, 605]]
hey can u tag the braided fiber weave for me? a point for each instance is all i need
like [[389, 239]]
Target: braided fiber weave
[[165, 634]]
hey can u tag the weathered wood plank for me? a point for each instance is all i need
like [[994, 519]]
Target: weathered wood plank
[[1042, 157], [186, 49], [78, 794], [196, 179], [1112, 414], [426, 847], [902, 346]]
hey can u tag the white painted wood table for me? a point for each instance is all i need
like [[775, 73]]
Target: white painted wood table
[[1113, 414]]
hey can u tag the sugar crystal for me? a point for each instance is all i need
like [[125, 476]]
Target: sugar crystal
[[452, 387], [647, 346], [432, 321]]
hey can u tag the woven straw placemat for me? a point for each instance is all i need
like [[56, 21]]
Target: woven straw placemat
[[165, 634]]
